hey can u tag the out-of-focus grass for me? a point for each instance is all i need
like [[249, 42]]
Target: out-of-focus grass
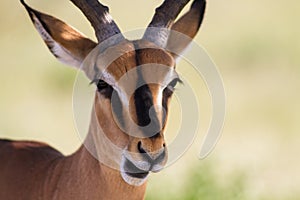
[[201, 183]]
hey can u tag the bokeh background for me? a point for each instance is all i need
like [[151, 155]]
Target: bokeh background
[[255, 44]]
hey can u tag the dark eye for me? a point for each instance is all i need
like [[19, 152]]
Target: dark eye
[[101, 85], [104, 88]]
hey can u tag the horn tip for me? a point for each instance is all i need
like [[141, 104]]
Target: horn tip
[[26, 6], [30, 11], [23, 3], [197, 3]]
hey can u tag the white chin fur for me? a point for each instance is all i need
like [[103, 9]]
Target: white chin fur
[[157, 168], [133, 181]]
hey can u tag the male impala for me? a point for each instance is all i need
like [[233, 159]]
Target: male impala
[[31, 170]]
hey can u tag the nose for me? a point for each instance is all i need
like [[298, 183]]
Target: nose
[[153, 156]]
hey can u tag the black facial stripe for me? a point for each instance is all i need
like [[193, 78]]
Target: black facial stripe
[[143, 100], [117, 109]]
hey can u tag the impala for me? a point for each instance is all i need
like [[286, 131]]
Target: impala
[[32, 170]]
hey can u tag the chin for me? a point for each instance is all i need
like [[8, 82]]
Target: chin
[[134, 180]]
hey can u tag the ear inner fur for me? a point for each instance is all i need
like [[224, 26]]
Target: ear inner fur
[[66, 43]]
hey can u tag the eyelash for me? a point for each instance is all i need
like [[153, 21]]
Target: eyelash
[[173, 83], [169, 90]]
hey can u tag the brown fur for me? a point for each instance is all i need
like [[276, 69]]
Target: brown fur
[[36, 171]]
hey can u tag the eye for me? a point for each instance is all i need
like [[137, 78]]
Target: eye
[[101, 85], [104, 88]]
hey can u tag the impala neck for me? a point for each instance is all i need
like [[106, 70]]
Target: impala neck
[[101, 179]]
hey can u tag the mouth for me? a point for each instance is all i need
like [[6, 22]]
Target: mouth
[[133, 171], [132, 174]]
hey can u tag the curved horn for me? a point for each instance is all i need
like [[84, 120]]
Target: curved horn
[[100, 19], [165, 15]]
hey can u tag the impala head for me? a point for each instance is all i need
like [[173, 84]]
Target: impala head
[[135, 79]]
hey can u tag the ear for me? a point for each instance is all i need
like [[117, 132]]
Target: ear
[[188, 25], [66, 44]]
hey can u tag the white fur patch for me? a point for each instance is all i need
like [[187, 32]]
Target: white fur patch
[[157, 168], [107, 18], [59, 51]]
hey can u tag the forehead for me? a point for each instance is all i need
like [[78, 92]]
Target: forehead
[[133, 59]]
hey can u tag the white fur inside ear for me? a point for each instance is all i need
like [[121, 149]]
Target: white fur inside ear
[[57, 50]]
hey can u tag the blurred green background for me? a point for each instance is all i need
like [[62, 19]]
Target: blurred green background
[[256, 45]]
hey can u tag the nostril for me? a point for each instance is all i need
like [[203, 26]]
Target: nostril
[[140, 148], [164, 145]]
